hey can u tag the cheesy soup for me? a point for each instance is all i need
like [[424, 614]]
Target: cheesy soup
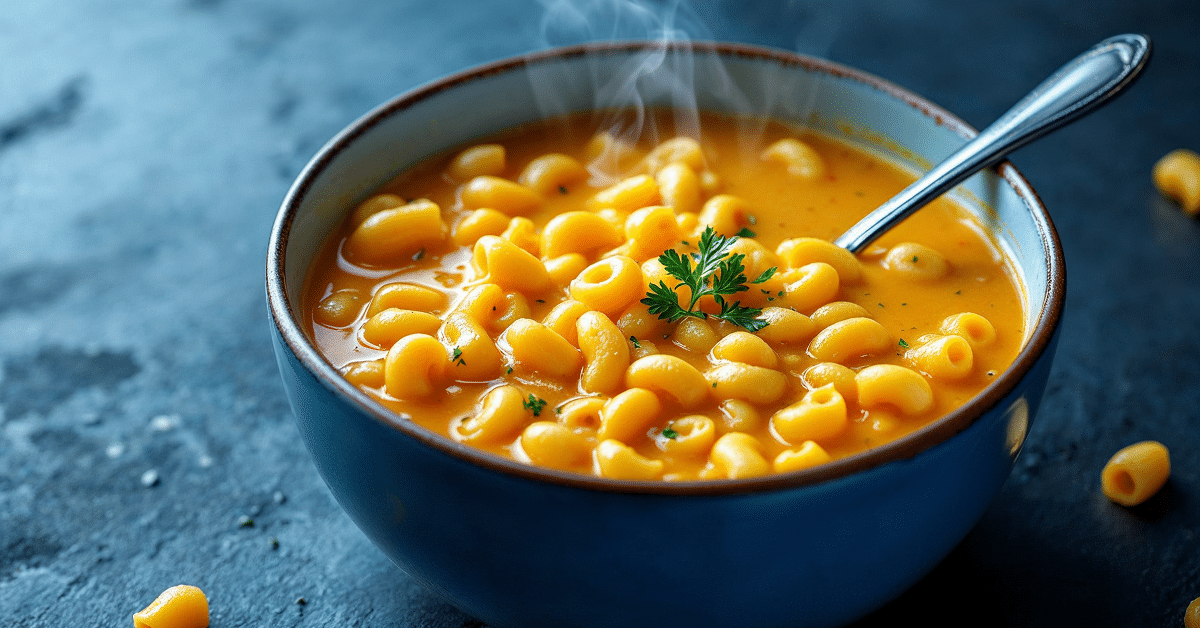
[[667, 309]]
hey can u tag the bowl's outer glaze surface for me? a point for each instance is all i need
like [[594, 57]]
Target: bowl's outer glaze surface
[[516, 546]]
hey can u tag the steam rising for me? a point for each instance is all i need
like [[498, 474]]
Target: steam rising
[[663, 72]]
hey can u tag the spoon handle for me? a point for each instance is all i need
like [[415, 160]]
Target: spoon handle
[[1077, 88]]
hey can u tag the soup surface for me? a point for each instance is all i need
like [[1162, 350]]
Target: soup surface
[[532, 295]]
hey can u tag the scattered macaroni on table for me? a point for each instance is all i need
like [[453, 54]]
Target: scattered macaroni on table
[[181, 606], [1191, 616], [1135, 473], [661, 311], [1177, 175]]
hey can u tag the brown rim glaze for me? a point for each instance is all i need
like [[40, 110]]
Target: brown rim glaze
[[909, 446]]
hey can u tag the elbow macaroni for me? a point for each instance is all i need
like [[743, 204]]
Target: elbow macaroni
[[808, 454], [551, 174], [608, 286], [415, 367], [605, 353], [524, 328], [473, 355], [916, 262], [674, 377], [501, 414], [947, 357], [392, 324], [181, 606], [505, 196], [818, 416], [849, 340], [1177, 175], [540, 349], [893, 385], [476, 161], [395, 233], [578, 232], [1191, 616], [800, 159], [507, 265], [492, 307], [739, 455], [679, 187], [628, 414], [1135, 473], [552, 445], [627, 195]]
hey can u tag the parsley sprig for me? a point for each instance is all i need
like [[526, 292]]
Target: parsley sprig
[[534, 404], [715, 273]]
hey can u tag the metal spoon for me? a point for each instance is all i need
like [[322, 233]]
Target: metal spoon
[[1076, 89]]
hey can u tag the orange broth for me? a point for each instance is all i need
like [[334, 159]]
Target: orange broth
[[854, 182]]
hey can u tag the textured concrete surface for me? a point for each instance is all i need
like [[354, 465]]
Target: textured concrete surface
[[144, 437]]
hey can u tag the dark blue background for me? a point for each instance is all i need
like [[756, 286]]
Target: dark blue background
[[145, 147]]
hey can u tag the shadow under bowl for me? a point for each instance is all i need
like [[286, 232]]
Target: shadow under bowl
[[515, 545]]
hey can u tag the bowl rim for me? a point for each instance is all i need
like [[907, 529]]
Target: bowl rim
[[909, 446]]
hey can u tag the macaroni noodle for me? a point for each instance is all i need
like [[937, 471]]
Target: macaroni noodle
[[531, 295], [1135, 473], [181, 606]]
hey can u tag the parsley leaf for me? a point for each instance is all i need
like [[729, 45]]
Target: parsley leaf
[[745, 233], [767, 274], [534, 404], [711, 271]]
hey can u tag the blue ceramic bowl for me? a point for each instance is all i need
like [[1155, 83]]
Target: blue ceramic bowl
[[518, 546]]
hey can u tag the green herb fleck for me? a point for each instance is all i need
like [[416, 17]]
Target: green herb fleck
[[714, 384], [879, 304], [914, 259], [685, 243], [534, 404], [670, 433], [509, 371], [636, 344], [767, 274], [745, 233], [717, 273], [562, 189], [903, 345], [457, 357]]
